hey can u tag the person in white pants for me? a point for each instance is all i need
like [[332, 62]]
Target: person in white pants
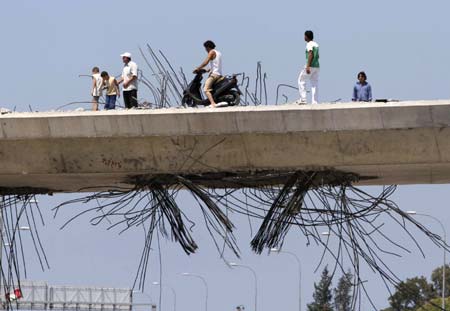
[[311, 70]]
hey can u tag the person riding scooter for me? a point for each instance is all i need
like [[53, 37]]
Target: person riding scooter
[[214, 59], [225, 92]]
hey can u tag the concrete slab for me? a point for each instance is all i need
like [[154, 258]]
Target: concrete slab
[[385, 143]]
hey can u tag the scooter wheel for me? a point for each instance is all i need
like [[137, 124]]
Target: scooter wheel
[[187, 102], [236, 98]]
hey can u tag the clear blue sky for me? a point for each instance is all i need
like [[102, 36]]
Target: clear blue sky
[[402, 45]]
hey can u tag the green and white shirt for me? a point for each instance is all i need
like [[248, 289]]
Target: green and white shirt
[[314, 47]]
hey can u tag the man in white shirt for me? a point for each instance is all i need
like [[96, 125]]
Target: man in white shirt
[[130, 81], [214, 59]]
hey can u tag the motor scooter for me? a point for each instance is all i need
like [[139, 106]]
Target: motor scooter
[[225, 92]]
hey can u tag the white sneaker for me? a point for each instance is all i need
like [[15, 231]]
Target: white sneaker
[[300, 102], [222, 104]]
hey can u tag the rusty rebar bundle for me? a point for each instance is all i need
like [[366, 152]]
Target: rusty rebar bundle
[[310, 201]]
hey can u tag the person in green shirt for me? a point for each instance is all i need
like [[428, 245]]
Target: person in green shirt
[[311, 71]]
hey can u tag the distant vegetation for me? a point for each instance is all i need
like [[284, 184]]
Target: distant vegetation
[[415, 294]]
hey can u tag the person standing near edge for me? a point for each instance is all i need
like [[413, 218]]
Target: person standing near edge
[[112, 90], [214, 59], [311, 70], [96, 90], [130, 81], [362, 91]]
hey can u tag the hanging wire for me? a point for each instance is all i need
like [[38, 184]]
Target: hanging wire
[[18, 212], [310, 201]]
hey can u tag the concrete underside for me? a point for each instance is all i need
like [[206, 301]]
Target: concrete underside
[[384, 143]]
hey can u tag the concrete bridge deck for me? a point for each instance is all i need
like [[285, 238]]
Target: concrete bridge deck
[[385, 143]]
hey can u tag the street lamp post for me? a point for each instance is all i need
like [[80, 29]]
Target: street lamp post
[[204, 283], [276, 250], [233, 264], [445, 259], [173, 293]]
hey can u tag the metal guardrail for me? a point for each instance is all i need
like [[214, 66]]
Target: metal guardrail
[[52, 305], [41, 296]]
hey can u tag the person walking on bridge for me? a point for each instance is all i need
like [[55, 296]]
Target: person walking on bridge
[[311, 70], [214, 59]]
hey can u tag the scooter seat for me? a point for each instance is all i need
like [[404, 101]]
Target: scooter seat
[[219, 80]]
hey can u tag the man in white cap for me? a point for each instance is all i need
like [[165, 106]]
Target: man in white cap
[[130, 81]]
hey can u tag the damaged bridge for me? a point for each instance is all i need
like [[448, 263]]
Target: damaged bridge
[[379, 143]]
